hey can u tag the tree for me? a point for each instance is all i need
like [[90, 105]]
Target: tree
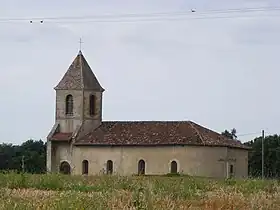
[[271, 156], [34, 153], [231, 134]]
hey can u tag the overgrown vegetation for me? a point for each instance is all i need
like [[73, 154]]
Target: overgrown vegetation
[[54, 191], [45, 191]]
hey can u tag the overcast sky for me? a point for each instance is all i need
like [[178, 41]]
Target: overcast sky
[[218, 72]]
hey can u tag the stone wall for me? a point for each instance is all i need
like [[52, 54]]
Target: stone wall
[[191, 160]]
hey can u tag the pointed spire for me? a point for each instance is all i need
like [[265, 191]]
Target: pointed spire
[[79, 76]]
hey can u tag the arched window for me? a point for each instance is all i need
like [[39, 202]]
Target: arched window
[[109, 167], [231, 171], [141, 167], [69, 105], [85, 167], [64, 168], [174, 167], [92, 102]]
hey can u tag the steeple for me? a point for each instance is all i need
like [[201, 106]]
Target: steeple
[[79, 76], [78, 98]]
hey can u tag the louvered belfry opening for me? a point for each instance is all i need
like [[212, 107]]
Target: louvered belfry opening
[[92, 101], [69, 105]]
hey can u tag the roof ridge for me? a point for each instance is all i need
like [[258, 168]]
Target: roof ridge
[[197, 132], [139, 121], [81, 69]]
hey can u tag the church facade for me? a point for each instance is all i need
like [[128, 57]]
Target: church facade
[[80, 142]]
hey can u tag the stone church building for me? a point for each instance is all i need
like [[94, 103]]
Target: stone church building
[[80, 142]]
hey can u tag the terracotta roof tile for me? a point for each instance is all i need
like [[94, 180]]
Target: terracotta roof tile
[[213, 138], [61, 136], [155, 133]]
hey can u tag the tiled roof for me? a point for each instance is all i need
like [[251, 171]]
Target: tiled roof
[[79, 76], [156, 133], [61, 136]]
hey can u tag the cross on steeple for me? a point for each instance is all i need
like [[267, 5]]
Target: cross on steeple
[[80, 44]]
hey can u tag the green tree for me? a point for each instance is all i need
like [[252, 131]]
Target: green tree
[[33, 152], [271, 156], [230, 134]]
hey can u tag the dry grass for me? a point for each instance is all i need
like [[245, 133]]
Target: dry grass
[[114, 192]]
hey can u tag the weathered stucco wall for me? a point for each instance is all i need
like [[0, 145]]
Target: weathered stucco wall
[[91, 122], [81, 107], [61, 152], [192, 160], [98, 105], [240, 161], [69, 123]]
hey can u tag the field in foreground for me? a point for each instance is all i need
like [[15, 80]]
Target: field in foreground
[[27, 191]]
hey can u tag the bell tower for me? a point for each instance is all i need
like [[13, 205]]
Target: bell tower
[[78, 98], [78, 106]]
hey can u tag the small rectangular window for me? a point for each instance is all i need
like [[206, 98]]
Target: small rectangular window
[[231, 169]]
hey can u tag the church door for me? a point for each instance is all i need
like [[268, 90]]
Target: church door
[[174, 167], [64, 168], [141, 167]]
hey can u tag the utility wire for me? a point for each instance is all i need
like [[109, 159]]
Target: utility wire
[[135, 20], [259, 132], [249, 134], [157, 19], [157, 16]]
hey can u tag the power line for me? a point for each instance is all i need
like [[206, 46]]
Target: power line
[[156, 19], [255, 133], [141, 20], [249, 134], [192, 14]]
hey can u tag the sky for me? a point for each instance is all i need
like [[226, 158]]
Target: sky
[[218, 71]]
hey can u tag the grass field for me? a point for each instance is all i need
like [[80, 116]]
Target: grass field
[[18, 191]]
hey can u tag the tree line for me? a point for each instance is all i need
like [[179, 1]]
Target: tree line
[[271, 154], [30, 156]]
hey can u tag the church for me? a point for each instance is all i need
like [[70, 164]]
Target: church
[[81, 143]]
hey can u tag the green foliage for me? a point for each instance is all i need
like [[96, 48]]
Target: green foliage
[[172, 174], [56, 191], [184, 187], [271, 157], [231, 134], [33, 152]]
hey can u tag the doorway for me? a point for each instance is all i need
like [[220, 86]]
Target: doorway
[[65, 168]]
